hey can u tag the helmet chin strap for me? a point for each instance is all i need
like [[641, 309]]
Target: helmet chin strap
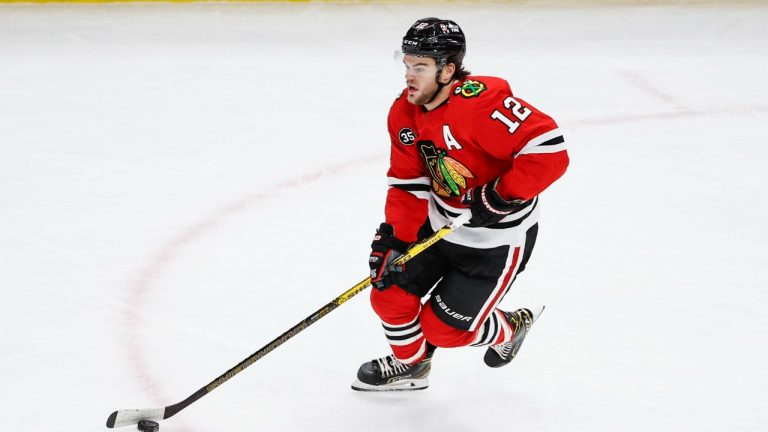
[[437, 92], [439, 84]]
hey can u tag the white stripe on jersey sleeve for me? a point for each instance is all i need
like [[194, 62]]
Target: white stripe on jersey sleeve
[[544, 149], [534, 146], [421, 191], [421, 194], [392, 181]]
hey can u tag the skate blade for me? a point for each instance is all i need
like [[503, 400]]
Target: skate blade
[[404, 385]]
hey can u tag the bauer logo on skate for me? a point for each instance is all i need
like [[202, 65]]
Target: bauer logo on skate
[[451, 313]]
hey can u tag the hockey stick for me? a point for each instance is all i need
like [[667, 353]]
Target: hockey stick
[[133, 416]]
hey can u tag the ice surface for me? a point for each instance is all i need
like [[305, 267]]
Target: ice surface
[[179, 184]]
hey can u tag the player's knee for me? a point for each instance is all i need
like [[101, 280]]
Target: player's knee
[[440, 334], [394, 304]]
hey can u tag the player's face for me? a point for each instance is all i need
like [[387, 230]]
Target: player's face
[[420, 73]]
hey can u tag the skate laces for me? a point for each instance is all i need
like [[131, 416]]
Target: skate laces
[[390, 366], [520, 323], [503, 350]]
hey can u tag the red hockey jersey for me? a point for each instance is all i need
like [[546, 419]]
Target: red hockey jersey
[[481, 133]]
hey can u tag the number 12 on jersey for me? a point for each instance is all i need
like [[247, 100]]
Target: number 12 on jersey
[[518, 110]]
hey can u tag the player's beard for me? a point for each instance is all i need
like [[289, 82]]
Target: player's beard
[[424, 96]]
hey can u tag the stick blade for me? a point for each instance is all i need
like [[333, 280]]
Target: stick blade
[[537, 311], [132, 417]]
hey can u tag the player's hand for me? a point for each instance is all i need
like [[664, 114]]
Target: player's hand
[[385, 249], [487, 206]]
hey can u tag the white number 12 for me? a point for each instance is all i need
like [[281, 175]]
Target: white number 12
[[518, 110]]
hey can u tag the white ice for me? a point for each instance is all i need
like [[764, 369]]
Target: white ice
[[181, 183]]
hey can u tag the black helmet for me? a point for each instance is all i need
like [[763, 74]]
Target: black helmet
[[434, 37]]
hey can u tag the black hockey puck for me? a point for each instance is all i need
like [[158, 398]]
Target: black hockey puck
[[148, 426]]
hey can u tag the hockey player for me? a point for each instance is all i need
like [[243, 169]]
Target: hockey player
[[459, 143]]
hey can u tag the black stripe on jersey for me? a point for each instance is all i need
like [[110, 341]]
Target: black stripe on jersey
[[521, 208], [404, 337], [514, 223], [412, 187], [501, 225], [444, 212], [553, 141], [402, 327]]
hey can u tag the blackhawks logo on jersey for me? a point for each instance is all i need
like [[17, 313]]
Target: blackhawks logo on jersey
[[448, 174], [471, 88]]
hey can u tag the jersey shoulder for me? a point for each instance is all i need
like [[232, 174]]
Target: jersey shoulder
[[480, 90], [484, 95], [497, 120]]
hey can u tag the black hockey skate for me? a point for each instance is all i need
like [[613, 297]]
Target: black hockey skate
[[521, 321], [390, 374]]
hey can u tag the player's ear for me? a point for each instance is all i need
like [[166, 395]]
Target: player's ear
[[447, 73]]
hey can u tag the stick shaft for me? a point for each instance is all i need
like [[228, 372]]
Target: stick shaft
[[126, 417]]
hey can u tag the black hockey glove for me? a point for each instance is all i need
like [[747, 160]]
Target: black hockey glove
[[487, 206], [385, 249]]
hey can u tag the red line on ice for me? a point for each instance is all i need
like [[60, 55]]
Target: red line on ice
[[141, 283]]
